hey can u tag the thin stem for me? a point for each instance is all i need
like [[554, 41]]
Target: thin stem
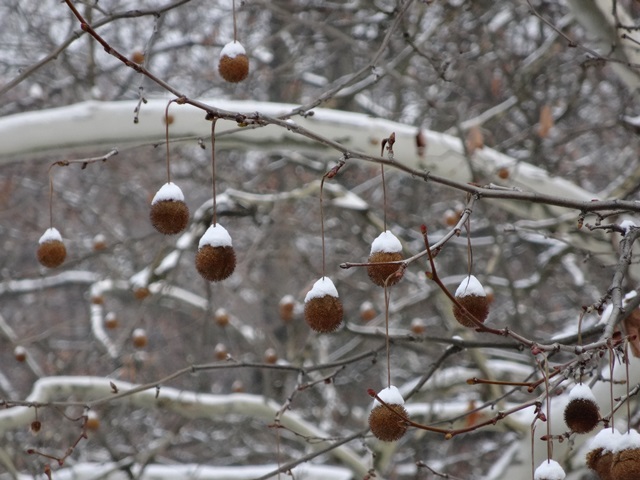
[[213, 169], [235, 28], [50, 198], [626, 364], [611, 365], [166, 133], [384, 198], [387, 295]]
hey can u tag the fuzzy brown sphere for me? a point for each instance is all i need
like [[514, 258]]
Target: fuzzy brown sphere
[[581, 415], [476, 305], [169, 216], [600, 463], [626, 465], [386, 425], [51, 253], [323, 314], [215, 263], [234, 69], [379, 273]]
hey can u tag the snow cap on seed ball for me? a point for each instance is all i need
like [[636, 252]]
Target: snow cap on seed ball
[[232, 50], [216, 236], [390, 395], [50, 235], [470, 286], [606, 439], [626, 441], [582, 391], [322, 288], [386, 242], [549, 470], [168, 192]]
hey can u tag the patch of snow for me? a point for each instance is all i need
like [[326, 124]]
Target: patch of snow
[[582, 391], [626, 225], [350, 201], [169, 191], [386, 242], [549, 470], [232, 50], [606, 439], [626, 441], [390, 395], [216, 236], [50, 235], [470, 286], [321, 288]]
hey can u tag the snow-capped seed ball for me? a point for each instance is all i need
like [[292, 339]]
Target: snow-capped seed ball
[[600, 455], [20, 353], [367, 311], [626, 457], [322, 307], [473, 298], [234, 63], [385, 248], [51, 251], [581, 413], [221, 317], [286, 308], [93, 421], [216, 258], [384, 424], [169, 214], [549, 470], [270, 356], [139, 338]]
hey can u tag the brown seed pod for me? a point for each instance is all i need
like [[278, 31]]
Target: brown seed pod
[[600, 456], [367, 311], [169, 214], [473, 298], [111, 321], [139, 338], [383, 422], [418, 326], [234, 63], [92, 421], [385, 248], [626, 457], [581, 413], [270, 356], [51, 251], [286, 308], [220, 351], [221, 317], [216, 258], [322, 307], [549, 470], [20, 353]]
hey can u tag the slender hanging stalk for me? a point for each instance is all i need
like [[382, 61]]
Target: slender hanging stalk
[[213, 169], [626, 364], [384, 198], [322, 223], [166, 132], [235, 28], [387, 297], [50, 198]]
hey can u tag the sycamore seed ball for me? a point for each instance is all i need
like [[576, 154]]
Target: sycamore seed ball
[[472, 296], [322, 307], [581, 413], [216, 258], [234, 63], [51, 251], [600, 455], [383, 422], [385, 248], [549, 470], [169, 214], [626, 457]]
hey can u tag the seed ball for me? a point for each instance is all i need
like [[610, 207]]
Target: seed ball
[[51, 251], [20, 353], [385, 248], [140, 293], [323, 314], [220, 351], [322, 307], [99, 242], [367, 311], [139, 338], [418, 326], [215, 263], [93, 421], [549, 470], [111, 321], [35, 427], [581, 415], [215, 258], [599, 460], [386, 425], [234, 63], [286, 308], [137, 57], [626, 464], [270, 356], [169, 214], [472, 296], [237, 386], [221, 317]]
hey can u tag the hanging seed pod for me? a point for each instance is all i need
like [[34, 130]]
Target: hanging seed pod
[[581, 413], [385, 248], [626, 457], [234, 63], [51, 251], [169, 214], [600, 455], [384, 423], [322, 307], [216, 258], [471, 295]]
